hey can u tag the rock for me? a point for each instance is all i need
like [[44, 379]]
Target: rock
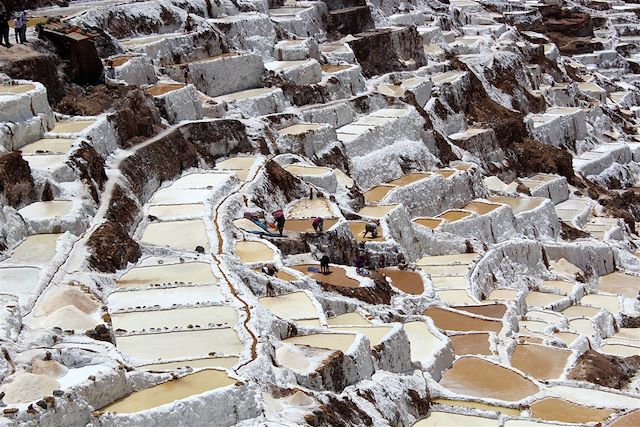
[[16, 182], [605, 370], [90, 166], [112, 248]]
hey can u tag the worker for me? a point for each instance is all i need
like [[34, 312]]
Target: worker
[[318, 224], [371, 227], [269, 270], [23, 28], [324, 265], [4, 29], [280, 220]]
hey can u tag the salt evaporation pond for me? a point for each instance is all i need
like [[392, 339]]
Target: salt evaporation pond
[[180, 235], [197, 273]]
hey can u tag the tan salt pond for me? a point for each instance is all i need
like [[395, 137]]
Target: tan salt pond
[[478, 405], [494, 311], [517, 204], [534, 325], [541, 362], [583, 326], [329, 341], [347, 319], [306, 225], [19, 280], [193, 210], [48, 145], [26, 387], [449, 282], [338, 276], [410, 178], [453, 215], [181, 235], [71, 126], [171, 391], [408, 282], [378, 211], [446, 173], [481, 208], [620, 284], [181, 344], [197, 273], [309, 208], [446, 270], [357, 229], [453, 321], [620, 350], [553, 409], [309, 323], [300, 170], [378, 193], [236, 163], [431, 223], [45, 210], [541, 299], [474, 343], [375, 334], [35, 249], [15, 89], [631, 419], [252, 251], [627, 335], [473, 376], [162, 88], [446, 419], [175, 317], [559, 285], [503, 295], [545, 316], [208, 362], [580, 311], [608, 302], [456, 259], [455, 296], [567, 337], [293, 306], [299, 129], [422, 342]]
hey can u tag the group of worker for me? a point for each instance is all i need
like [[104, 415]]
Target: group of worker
[[20, 22]]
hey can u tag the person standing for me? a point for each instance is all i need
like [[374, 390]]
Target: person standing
[[17, 27], [324, 264], [4, 29], [23, 29]]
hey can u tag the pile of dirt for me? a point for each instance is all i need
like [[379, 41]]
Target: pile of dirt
[[122, 208], [90, 167], [625, 205], [112, 248], [338, 411], [380, 293], [16, 182], [534, 157], [571, 233], [278, 180], [33, 62], [92, 100], [136, 119], [605, 370]]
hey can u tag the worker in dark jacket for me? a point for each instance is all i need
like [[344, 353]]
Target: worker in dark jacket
[[4, 29]]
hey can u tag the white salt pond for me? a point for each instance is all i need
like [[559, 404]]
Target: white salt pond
[[447, 419], [19, 280], [375, 334], [422, 342], [71, 126], [173, 196], [180, 344], [194, 210], [207, 362], [175, 317], [378, 211], [199, 181], [180, 235], [48, 145], [310, 208], [46, 210], [293, 306], [253, 251], [196, 273], [37, 249], [165, 297], [329, 341], [347, 319]]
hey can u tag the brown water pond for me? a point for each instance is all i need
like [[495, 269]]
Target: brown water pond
[[475, 343], [338, 276], [494, 311], [453, 321], [554, 409], [409, 282], [541, 362]]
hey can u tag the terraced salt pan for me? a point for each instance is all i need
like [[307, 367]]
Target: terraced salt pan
[[37, 249], [46, 161], [300, 170], [171, 391], [176, 317], [310, 208], [162, 88], [481, 208], [627, 336], [608, 302], [517, 204], [378, 193], [207, 362], [181, 235], [243, 94], [48, 145], [179, 196], [199, 181], [446, 282], [357, 229], [19, 280], [541, 299], [582, 326], [194, 210], [494, 311], [15, 89], [446, 270], [580, 311], [46, 210], [455, 296], [457, 259], [473, 376], [422, 342], [631, 419], [559, 285], [620, 350], [620, 284], [595, 398], [453, 321], [338, 276], [446, 419], [543, 315], [375, 334], [410, 178], [473, 343], [252, 251], [293, 306], [196, 273], [329, 341], [477, 405], [180, 344], [408, 282], [66, 318], [378, 211], [453, 215], [71, 126], [553, 409], [567, 337], [59, 296], [306, 225], [348, 319], [502, 295], [431, 223], [236, 163], [26, 387], [541, 362]]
